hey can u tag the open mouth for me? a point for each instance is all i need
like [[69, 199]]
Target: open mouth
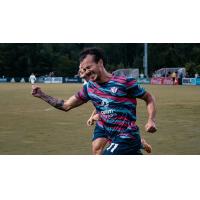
[[92, 76]]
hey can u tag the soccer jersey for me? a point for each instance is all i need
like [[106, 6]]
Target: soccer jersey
[[115, 102]]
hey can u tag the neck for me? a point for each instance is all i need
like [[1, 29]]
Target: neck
[[105, 77]]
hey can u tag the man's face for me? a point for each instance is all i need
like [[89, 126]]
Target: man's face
[[89, 69]]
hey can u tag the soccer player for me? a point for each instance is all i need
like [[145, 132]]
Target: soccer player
[[99, 141], [32, 78], [114, 98]]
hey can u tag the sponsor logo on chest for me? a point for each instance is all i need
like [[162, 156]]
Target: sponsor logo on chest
[[105, 103]]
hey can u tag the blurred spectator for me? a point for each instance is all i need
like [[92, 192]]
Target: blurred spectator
[[51, 74], [196, 75], [141, 75], [180, 77], [173, 77], [32, 78]]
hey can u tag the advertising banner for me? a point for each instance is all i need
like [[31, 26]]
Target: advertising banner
[[167, 81], [197, 81], [163, 81], [189, 81], [53, 80], [72, 80], [157, 81], [3, 80]]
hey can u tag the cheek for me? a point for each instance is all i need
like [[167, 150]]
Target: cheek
[[96, 70]]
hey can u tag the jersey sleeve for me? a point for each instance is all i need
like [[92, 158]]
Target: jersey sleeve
[[83, 94], [134, 90]]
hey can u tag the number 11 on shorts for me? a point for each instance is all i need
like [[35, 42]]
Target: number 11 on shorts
[[112, 147]]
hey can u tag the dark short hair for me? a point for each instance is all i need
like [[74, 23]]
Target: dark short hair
[[96, 52]]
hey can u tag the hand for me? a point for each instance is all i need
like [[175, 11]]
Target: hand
[[90, 122], [36, 91], [150, 126]]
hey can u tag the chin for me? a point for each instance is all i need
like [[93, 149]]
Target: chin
[[94, 79]]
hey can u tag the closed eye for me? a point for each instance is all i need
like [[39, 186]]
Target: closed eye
[[86, 68]]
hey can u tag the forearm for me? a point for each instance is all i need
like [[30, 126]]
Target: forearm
[[57, 103], [93, 113], [151, 106], [64, 105], [151, 109]]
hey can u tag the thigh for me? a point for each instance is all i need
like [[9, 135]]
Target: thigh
[[99, 140], [98, 145]]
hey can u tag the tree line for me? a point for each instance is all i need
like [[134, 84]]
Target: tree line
[[21, 59]]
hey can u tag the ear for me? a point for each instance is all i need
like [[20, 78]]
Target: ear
[[101, 62]]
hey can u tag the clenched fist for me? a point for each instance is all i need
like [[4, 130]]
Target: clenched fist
[[150, 126], [36, 91]]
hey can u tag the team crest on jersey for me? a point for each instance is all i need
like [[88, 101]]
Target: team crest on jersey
[[113, 89]]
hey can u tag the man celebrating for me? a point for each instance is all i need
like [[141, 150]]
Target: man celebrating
[[114, 98]]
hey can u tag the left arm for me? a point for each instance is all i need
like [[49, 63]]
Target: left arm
[[151, 110], [91, 121], [135, 91]]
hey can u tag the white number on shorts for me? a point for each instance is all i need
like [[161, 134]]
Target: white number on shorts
[[112, 147]]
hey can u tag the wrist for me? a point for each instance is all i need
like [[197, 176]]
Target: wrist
[[42, 95], [152, 119]]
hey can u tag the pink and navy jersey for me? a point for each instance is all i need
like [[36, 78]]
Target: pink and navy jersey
[[115, 101]]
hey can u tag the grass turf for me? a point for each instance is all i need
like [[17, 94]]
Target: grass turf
[[30, 126]]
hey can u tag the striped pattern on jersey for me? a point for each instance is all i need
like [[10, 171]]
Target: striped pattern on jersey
[[115, 101]]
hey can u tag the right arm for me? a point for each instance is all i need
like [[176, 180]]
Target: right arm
[[64, 105]]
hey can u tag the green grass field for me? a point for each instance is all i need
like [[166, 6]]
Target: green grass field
[[30, 126]]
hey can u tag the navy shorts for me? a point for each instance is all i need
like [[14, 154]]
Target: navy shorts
[[99, 133], [124, 144], [121, 144]]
